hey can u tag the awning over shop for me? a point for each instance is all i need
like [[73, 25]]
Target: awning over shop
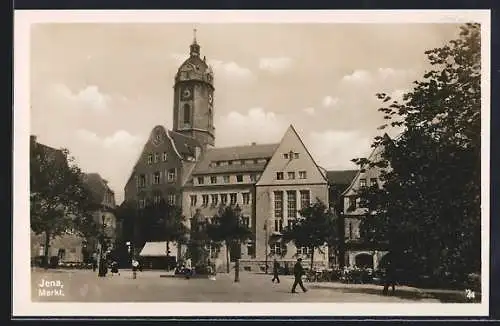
[[157, 249]]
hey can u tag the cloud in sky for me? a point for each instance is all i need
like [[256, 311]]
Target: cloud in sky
[[256, 125], [330, 101], [88, 98], [334, 149], [310, 110], [121, 146], [275, 65]]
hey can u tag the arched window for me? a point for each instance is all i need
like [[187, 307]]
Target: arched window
[[187, 113]]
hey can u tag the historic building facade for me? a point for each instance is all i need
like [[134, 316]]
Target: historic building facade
[[356, 252], [270, 183], [291, 180], [72, 248]]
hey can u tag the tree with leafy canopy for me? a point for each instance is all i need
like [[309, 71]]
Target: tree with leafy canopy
[[315, 227], [199, 240], [60, 203], [166, 223], [227, 228], [428, 209]]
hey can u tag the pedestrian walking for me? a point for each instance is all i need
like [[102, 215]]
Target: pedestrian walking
[[135, 266], [276, 267], [298, 271]]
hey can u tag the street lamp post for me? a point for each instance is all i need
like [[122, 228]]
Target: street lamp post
[[237, 262], [265, 242], [100, 267]]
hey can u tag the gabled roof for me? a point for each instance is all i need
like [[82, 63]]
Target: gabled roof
[[184, 145], [343, 177], [97, 186], [249, 152]]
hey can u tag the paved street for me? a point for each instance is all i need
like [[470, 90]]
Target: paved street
[[157, 286]]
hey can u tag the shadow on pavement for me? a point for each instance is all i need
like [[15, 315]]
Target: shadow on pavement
[[447, 297]]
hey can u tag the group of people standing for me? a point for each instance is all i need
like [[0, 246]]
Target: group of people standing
[[298, 272]]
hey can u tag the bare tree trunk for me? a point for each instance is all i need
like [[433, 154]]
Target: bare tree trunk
[[227, 257], [312, 258], [167, 252], [46, 250]]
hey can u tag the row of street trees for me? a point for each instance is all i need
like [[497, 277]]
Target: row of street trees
[[60, 203], [428, 210]]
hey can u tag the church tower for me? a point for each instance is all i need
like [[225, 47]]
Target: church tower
[[194, 98]]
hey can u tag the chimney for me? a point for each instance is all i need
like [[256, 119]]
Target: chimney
[[254, 143]]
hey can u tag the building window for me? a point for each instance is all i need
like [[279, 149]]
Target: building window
[[229, 162], [234, 198], [278, 225], [351, 203], [171, 175], [171, 199], [296, 155], [373, 182], [61, 254], [142, 181], [239, 178], [291, 175], [246, 221], [291, 223], [187, 113], [142, 203], [279, 176], [215, 199], [223, 199], [205, 200], [291, 197], [213, 179], [150, 158], [201, 180], [226, 179], [350, 230], [253, 177], [193, 200], [305, 198], [157, 157], [278, 204], [251, 249], [156, 178], [362, 183], [302, 174], [156, 199], [246, 198], [285, 156], [306, 251], [164, 156], [276, 248]]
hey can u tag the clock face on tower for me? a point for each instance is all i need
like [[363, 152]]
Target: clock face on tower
[[186, 93]]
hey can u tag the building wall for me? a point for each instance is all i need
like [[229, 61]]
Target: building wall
[[147, 166], [265, 197], [298, 172], [71, 244], [354, 214]]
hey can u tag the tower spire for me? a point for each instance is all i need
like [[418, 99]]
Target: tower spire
[[194, 49]]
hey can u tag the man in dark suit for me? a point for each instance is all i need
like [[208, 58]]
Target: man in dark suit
[[276, 267], [298, 271]]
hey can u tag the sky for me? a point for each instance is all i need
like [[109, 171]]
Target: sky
[[99, 89]]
